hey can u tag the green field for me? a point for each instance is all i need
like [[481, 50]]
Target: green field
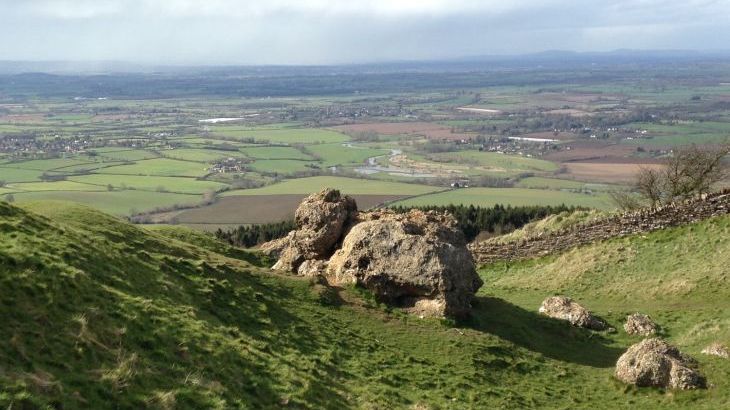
[[199, 155], [118, 154], [337, 154], [150, 183], [50, 164], [160, 167], [556, 183], [53, 186], [282, 166], [99, 311], [705, 132], [346, 185], [267, 152], [488, 197], [283, 135], [114, 202], [508, 163], [10, 175]]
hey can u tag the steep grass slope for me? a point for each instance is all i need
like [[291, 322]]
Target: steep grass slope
[[97, 313]]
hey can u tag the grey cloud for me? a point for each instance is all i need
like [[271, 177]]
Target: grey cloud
[[325, 31]]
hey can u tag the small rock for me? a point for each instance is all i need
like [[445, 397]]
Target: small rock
[[655, 363], [564, 308], [717, 349], [640, 324]]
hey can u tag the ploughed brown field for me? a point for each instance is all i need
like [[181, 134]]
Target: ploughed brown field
[[604, 172], [425, 129], [257, 209]]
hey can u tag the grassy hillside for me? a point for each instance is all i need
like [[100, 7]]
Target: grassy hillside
[[97, 313]]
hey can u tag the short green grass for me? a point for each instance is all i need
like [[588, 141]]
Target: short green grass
[[98, 313]]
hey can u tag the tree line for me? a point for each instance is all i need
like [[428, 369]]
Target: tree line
[[497, 220], [472, 220], [246, 236]]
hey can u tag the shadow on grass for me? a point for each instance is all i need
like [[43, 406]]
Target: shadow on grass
[[553, 338]]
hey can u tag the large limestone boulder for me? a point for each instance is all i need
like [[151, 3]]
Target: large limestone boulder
[[564, 308], [273, 249], [640, 324], [655, 363], [321, 220], [417, 260]]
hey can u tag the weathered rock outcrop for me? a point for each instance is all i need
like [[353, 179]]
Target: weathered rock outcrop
[[417, 260], [717, 349], [640, 324], [655, 363], [564, 308], [321, 220], [274, 248]]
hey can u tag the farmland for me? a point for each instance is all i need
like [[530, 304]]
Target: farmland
[[511, 137], [487, 197]]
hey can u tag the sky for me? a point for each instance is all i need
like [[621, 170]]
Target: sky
[[213, 32]]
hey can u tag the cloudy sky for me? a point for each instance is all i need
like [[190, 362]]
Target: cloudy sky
[[347, 31]]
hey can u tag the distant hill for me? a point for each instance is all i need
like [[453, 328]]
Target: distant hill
[[98, 313]]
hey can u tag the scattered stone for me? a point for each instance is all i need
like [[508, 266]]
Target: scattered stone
[[640, 324], [655, 363], [321, 220], [717, 349], [417, 260], [564, 308]]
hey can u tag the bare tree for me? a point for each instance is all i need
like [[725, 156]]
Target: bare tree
[[650, 184], [626, 201], [691, 171]]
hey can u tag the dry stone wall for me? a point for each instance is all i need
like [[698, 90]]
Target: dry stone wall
[[644, 220]]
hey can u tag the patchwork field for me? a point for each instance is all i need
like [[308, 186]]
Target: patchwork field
[[488, 197], [150, 183], [282, 135], [416, 129], [351, 186]]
